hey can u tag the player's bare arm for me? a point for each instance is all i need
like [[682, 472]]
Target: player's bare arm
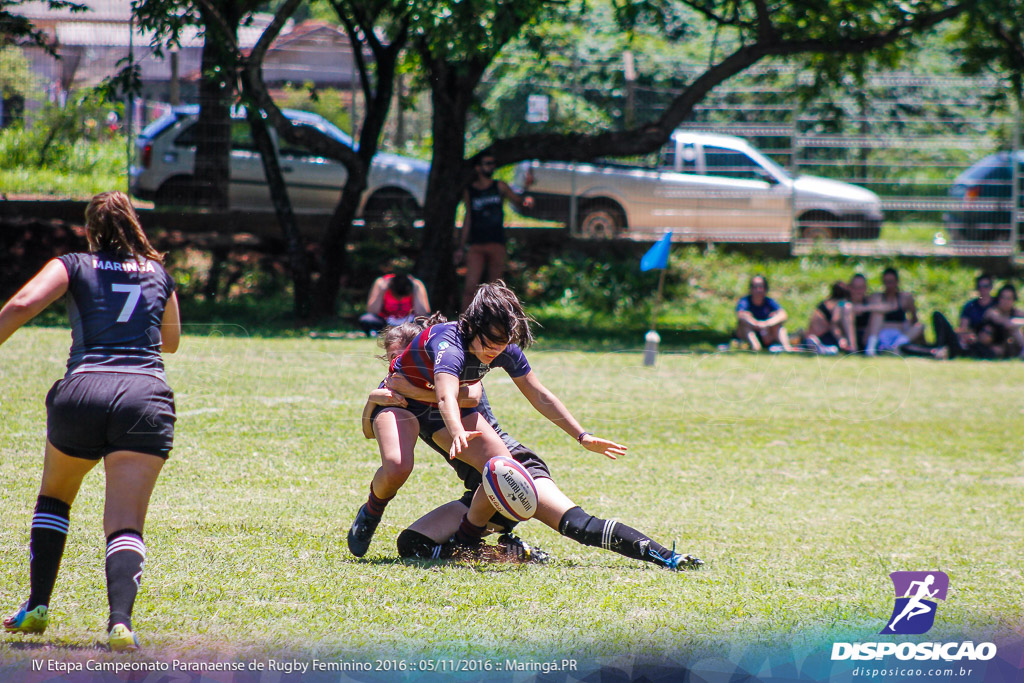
[[549, 405], [170, 326], [48, 285], [447, 388], [469, 395], [378, 397], [521, 201]]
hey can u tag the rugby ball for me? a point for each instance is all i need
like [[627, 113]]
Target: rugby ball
[[510, 488]]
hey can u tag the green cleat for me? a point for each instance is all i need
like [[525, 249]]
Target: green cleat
[[28, 621], [122, 639]]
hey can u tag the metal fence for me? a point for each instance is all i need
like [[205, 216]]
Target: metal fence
[[901, 162], [931, 152]]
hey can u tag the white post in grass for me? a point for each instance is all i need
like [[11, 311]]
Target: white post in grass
[[652, 338], [656, 257]]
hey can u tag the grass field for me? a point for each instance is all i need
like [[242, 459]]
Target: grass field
[[803, 482]]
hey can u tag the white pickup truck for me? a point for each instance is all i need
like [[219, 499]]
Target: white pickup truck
[[705, 186]]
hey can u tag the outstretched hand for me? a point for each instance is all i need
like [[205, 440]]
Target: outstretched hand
[[607, 448], [460, 442]]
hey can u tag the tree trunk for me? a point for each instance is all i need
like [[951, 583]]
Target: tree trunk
[[333, 252], [451, 97], [296, 250], [332, 256], [213, 131]]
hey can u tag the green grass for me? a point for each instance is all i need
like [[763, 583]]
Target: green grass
[[84, 169], [802, 481]]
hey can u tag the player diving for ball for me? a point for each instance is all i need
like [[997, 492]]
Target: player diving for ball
[[432, 536], [441, 359]]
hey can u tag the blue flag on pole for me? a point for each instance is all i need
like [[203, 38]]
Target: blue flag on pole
[[657, 256]]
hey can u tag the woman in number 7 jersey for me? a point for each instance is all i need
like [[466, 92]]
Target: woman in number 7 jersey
[[113, 404]]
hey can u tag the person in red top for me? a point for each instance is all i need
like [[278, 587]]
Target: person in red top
[[394, 299]]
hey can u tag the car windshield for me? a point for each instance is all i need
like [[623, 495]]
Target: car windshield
[[160, 125], [746, 164], [321, 124]]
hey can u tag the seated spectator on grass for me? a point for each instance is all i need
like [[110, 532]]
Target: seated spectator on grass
[[759, 319], [972, 315], [1001, 331], [825, 330], [856, 314], [394, 299], [895, 311]]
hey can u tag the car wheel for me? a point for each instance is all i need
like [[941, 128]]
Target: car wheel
[[816, 230], [603, 220], [391, 209], [175, 192]]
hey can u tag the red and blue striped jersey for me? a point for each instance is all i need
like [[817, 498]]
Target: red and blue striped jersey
[[440, 348]]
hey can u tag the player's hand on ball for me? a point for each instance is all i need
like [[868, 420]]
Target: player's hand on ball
[[460, 442], [605, 447]]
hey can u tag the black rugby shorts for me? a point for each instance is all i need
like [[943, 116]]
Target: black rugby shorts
[[92, 414]]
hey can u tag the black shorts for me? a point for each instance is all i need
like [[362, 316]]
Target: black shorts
[[428, 416], [92, 414]]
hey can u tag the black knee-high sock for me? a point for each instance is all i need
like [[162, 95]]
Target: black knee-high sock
[[126, 553], [46, 547], [611, 535]]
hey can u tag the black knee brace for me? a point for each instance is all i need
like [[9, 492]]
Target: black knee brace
[[582, 528], [413, 544]]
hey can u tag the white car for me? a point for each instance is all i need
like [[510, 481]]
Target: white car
[[704, 186], [165, 158]]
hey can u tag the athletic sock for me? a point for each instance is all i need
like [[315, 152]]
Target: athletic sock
[[374, 505], [469, 533], [611, 535], [50, 525], [872, 346], [126, 554]]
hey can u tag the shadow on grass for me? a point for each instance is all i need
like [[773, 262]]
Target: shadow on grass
[[33, 646]]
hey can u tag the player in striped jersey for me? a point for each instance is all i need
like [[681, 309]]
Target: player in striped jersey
[[113, 403], [429, 537], [447, 356]]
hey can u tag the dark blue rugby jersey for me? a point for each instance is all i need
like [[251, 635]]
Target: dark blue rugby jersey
[[974, 311], [440, 348], [115, 306], [767, 308]]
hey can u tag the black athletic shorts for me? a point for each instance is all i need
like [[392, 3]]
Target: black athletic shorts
[[428, 416], [92, 414]]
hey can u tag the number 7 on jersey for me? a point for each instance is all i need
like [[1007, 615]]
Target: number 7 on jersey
[[134, 292]]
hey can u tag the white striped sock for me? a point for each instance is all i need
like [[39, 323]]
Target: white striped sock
[[128, 542], [45, 520], [606, 535]]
